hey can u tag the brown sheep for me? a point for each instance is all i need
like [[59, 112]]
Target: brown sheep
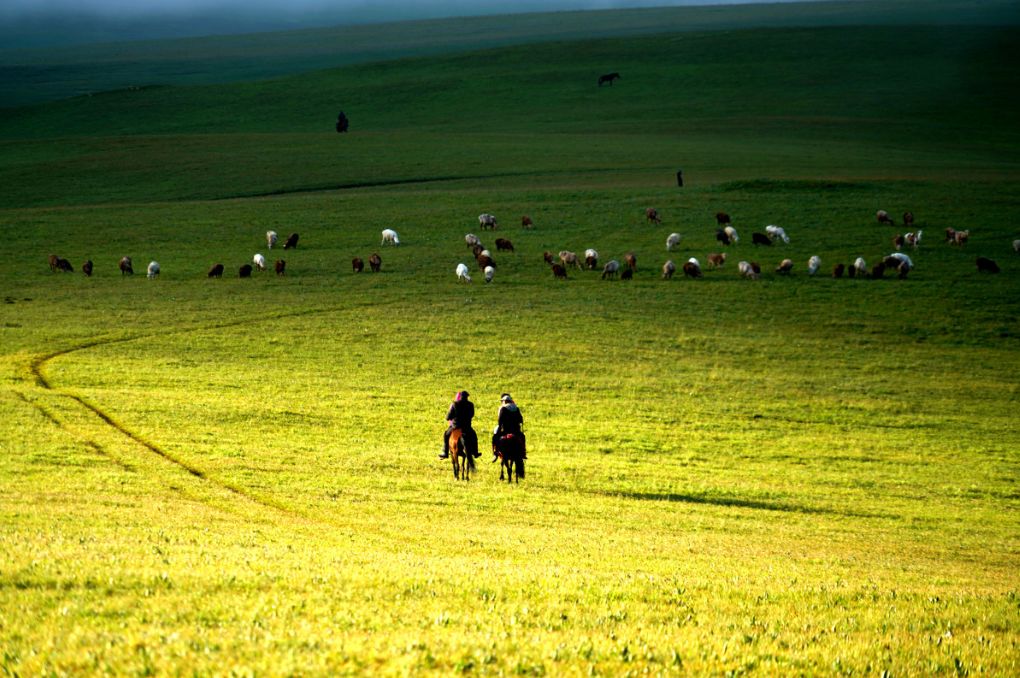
[[716, 260], [86, 268], [375, 262], [125, 266], [291, 242], [960, 237], [504, 245], [908, 219], [357, 264], [281, 266], [568, 258], [668, 269], [485, 260], [526, 222], [878, 271], [898, 242], [548, 257], [785, 266], [758, 238], [722, 218], [559, 271], [652, 215], [216, 271], [950, 235], [630, 261], [692, 269], [884, 218], [245, 271], [627, 274], [837, 270], [58, 264]]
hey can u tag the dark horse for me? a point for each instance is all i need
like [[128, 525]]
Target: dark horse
[[511, 456], [463, 462], [608, 77]]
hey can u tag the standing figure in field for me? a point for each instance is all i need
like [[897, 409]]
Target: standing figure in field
[[342, 123], [460, 414], [510, 423]]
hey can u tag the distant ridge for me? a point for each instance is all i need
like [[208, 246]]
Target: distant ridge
[[31, 76]]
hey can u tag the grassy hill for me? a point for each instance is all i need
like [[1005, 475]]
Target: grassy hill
[[788, 475]]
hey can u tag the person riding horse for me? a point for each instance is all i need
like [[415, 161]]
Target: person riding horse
[[510, 422], [460, 414]]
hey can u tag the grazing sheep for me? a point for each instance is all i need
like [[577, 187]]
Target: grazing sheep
[[986, 265], [559, 271], [746, 270], [908, 219], [271, 238], [878, 271], [731, 233], [462, 273], [568, 258], [813, 264], [960, 237], [652, 215], [591, 259], [722, 218], [504, 245], [913, 239], [216, 271], [760, 239], [526, 222], [950, 235], [898, 242], [357, 264], [489, 273], [837, 270], [477, 250], [672, 241], [125, 266], [390, 236], [1016, 245], [291, 242], [244, 271], [153, 270], [716, 260], [884, 218], [899, 258], [627, 274], [484, 260], [860, 267], [375, 262], [487, 221], [630, 261], [692, 268], [668, 269], [548, 257], [259, 261], [777, 233], [281, 266], [59, 264], [86, 268], [722, 236], [785, 266], [472, 240], [611, 268]]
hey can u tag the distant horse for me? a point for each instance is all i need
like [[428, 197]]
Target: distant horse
[[608, 77], [508, 448], [463, 462]]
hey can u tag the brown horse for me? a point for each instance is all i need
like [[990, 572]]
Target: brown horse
[[463, 462], [511, 456]]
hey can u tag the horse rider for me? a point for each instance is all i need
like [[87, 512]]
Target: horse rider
[[460, 414], [510, 421]]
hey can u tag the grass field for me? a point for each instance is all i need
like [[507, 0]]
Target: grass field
[[795, 475]]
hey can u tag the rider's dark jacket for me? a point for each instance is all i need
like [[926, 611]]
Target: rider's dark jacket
[[461, 413]]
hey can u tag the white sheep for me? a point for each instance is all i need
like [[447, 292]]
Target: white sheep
[[259, 261], [489, 273], [153, 270], [668, 269], [1016, 245], [777, 233], [591, 258], [903, 259], [569, 259], [672, 241], [271, 238], [813, 264], [611, 269], [471, 239], [746, 270], [462, 273], [731, 233], [487, 221], [390, 236], [913, 239], [860, 266]]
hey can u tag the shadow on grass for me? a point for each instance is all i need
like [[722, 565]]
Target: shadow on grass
[[738, 502]]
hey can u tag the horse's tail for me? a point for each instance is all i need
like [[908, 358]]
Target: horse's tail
[[520, 467], [470, 462]]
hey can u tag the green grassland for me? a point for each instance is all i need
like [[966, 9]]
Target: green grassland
[[784, 476]]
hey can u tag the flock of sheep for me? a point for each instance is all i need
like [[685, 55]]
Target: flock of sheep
[[726, 234]]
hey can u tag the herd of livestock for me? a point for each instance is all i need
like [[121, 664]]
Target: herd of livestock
[[896, 262]]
